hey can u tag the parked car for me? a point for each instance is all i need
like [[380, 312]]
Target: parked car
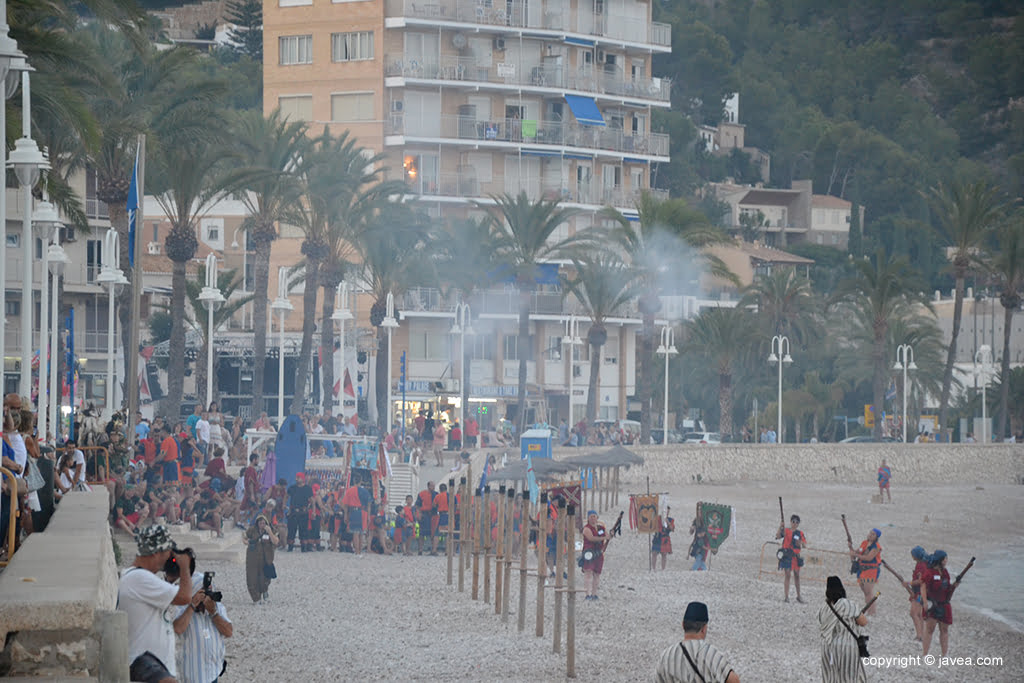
[[709, 438], [657, 436], [868, 439]]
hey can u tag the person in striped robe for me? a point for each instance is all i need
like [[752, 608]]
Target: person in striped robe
[[840, 655], [693, 660]]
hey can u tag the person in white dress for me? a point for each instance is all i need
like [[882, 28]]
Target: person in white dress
[[218, 435]]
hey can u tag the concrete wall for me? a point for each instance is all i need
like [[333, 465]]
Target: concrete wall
[[57, 598], [826, 463]]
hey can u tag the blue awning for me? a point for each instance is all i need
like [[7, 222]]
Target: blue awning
[[580, 41], [585, 110], [581, 157], [538, 153], [631, 160]]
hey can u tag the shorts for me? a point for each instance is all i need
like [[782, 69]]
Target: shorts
[[148, 668], [356, 522], [791, 561], [442, 521], [171, 470], [867, 574], [428, 525]]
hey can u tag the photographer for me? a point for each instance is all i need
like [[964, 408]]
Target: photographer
[[146, 599], [204, 624]]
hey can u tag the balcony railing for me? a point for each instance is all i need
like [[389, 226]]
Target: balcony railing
[[467, 183], [450, 68], [526, 131], [538, 15], [500, 301]]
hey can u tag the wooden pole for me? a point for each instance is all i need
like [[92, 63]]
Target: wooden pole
[[570, 616], [560, 565], [615, 486], [509, 535], [449, 541], [524, 542], [485, 529], [463, 525], [542, 570], [499, 550], [471, 495], [476, 547]]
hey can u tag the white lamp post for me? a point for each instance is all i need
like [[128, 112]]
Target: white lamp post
[[389, 323], [283, 306], [983, 358], [27, 162], [57, 260], [12, 62], [113, 279], [211, 299], [47, 221], [571, 338], [462, 327], [341, 314], [904, 362], [667, 348], [780, 354]]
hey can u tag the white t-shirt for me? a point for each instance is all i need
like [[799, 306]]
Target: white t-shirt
[[203, 430], [80, 460], [146, 599]]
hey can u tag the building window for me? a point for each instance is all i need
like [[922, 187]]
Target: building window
[[357, 106], [553, 350], [12, 309], [296, 49], [510, 347], [13, 240], [93, 259], [96, 325], [611, 350], [429, 346], [351, 47], [94, 208], [296, 108], [482, 347]]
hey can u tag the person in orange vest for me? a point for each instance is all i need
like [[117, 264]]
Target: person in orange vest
[[793, 541], [354, 515], [440, 517], [869, 562], [425, 505]]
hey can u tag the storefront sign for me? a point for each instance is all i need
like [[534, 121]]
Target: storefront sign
[[495, 390]]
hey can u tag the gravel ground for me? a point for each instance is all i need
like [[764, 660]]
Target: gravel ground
[[336, 617]]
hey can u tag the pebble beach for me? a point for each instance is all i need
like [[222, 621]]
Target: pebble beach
[[337, 617]]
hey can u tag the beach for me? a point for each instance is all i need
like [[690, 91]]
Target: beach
[[333, 616]]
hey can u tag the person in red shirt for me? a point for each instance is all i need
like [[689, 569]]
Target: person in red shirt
[[456, 436], [354, 515], [793, 541], [440, 518], [169, 456], [425, 503], [472, 432], [938, 589], [916, 579]]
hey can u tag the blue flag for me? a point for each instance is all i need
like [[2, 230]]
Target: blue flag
[[890, 393], [132, 206]]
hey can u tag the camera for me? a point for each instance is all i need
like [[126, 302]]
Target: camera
[[216, 596]]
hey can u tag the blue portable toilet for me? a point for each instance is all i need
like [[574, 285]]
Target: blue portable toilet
[[535, 443]]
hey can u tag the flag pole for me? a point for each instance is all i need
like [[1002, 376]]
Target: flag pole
[[132, 379]]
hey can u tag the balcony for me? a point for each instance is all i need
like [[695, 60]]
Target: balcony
[[469, 70], [500, 301], [557, 19], [516, 132], [467, 184]]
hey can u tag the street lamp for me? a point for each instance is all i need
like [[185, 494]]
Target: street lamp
[[904, 362], [283, 306], [389, 323], [57, 260], [47, 221], [211, 299], [667, 348], [983, 358], [341, 314], [27, 162], [12, 63], [112, 278], [780, 354], [571, 338], [462, 327]]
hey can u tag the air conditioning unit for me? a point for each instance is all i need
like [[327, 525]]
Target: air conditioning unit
[[396, 105], [600, 56], [154, 248], [499, 44]]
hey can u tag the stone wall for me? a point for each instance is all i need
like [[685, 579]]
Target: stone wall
[[58, 597], [933, 464]]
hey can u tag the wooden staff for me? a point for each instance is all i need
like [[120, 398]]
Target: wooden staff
[[485, 529], [570, 617], [542, 568], [869, 603], [499, 550], [467, 533], [463, 521], [509, 534], [559, 570], [524, 541], [476, 547], [449, 542], [615, 486]]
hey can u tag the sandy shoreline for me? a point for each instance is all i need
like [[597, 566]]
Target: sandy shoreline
[[337, 617]]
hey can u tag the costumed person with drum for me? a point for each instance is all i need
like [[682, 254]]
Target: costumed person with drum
[[868, 562], [838, 620], [701, 545], [661, 542], [916, 606], [790, 562], [595, 539], [938, 590]]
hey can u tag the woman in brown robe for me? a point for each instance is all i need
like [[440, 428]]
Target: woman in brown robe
[[259, 557]]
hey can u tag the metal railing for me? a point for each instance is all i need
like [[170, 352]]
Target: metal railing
[[12, 524], [467, 183], [518, 14], [527, 131], [471, 70]]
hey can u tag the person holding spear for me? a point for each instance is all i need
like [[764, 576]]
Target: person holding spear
[[937, 588], [914, 588], [793, 541]]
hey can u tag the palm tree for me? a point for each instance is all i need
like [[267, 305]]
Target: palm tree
[[665, 233], [967, 213], [881, 291], [785, 303], [1008, 267], [270, 149], [524, 229], [603, 284], [722, 336], [228, 283]]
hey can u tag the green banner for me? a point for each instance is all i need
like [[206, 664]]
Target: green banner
[[717, 520]]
